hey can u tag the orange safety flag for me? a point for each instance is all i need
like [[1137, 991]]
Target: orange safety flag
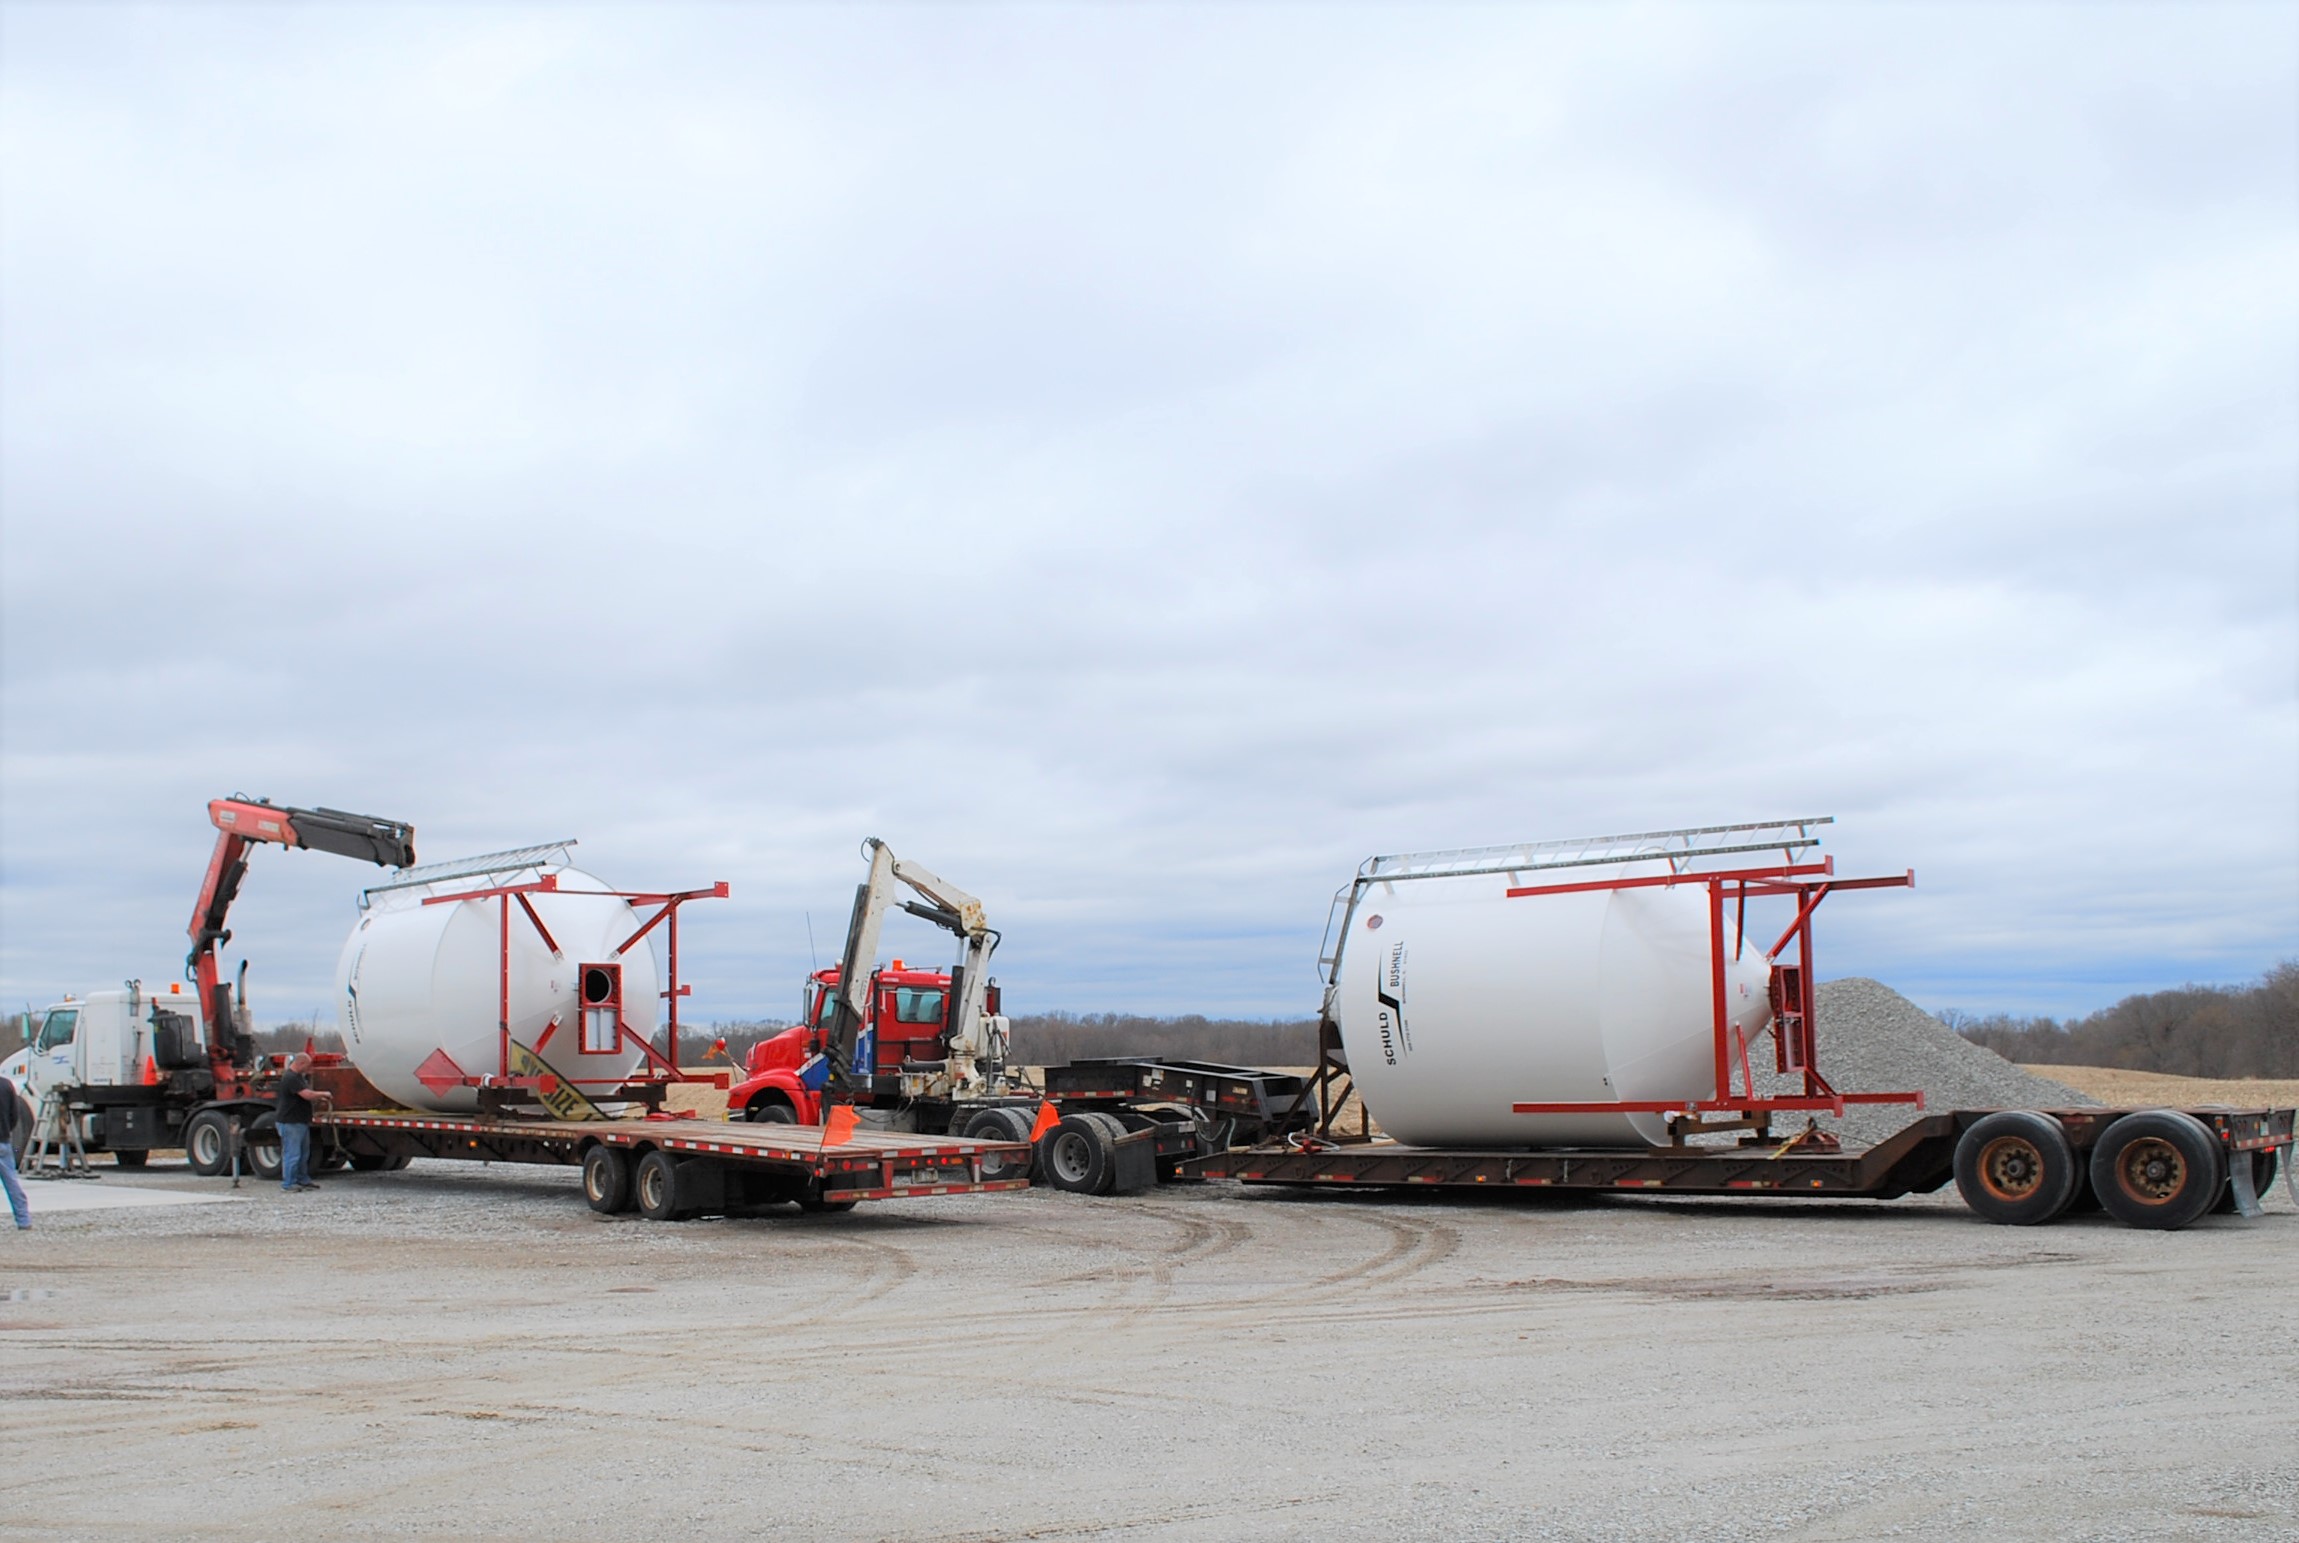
[[839, 1125], [1048, 1118]]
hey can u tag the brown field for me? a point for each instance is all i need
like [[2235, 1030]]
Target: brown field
[[2113, 1085]]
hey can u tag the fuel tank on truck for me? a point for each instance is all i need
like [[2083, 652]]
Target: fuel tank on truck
[[1455, 1001], [418, 988]]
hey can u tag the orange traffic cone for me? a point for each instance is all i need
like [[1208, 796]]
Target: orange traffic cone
[[151, 1071]]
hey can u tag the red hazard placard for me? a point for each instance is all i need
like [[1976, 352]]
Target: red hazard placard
[[439, 1072]]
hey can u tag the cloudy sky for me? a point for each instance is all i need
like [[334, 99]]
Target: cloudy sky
[[1140, 461]]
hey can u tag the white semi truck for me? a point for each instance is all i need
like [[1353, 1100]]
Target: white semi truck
[[118, 1046]]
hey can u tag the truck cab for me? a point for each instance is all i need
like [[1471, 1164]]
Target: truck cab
[[113, 1050], [904, 1038]]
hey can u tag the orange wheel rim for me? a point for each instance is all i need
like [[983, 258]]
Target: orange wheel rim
[[2011, 1168], [2151, 1170]]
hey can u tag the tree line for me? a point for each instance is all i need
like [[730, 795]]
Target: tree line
[[2193, 1031]]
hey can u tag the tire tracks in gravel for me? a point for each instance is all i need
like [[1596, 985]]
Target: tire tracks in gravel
[[1147, 1284], [888, 1267]]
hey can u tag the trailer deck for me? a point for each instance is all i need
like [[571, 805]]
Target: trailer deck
[[1917, 1160], [712, 1165]]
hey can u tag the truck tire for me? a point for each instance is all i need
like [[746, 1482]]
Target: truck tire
[[259, 1151], [131, 1159], [1078, 1155], [2158, 1169], [656, 1187], [2015, 1168], [607, 1180], [770, 1111], [1001, 1125], [207, 1142], [376, 1162]]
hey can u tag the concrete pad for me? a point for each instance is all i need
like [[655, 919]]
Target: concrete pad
[[49, 1196]]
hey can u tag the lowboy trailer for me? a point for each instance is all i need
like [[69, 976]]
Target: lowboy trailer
[[2155, 1168]]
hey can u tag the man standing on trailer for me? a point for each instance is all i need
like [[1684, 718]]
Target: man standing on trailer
[[292, 1114], [16, 1119]]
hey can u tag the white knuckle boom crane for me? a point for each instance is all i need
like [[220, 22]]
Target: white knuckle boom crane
[[976, 1044]]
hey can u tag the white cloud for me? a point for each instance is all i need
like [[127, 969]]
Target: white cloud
[[1140, 462]]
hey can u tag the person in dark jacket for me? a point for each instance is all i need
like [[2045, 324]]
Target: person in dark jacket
[[292, 1114], [16, 1117]]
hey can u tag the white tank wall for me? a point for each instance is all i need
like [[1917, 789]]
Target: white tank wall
[[1577, 998], [414, 979]]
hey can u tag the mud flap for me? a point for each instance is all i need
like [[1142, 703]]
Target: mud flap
[[2239, 1179], [1135, 1165], [702, 1188]]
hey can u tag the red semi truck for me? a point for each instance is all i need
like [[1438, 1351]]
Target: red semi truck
[[927, 1051]]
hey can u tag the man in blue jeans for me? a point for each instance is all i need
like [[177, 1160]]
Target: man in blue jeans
[[15, 1119], [292, 1115]]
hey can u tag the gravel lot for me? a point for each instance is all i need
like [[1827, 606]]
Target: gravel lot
[[453, 1353]]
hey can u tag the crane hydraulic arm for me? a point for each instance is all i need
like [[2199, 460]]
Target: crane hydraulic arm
[[240, 821], [943, 904]]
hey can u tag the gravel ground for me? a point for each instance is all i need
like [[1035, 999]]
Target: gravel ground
[[1874, 1040], [468, 1353]]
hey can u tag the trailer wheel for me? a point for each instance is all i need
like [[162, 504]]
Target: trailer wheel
[[1001, 1125], [260, 1148], [131, 1159], [2015, 1168], [2159, 1169], [770, 1111], [378, 1162], [607, 1180], [1078, 1155], [207, 1142], [656, 1185], [815, 1205]]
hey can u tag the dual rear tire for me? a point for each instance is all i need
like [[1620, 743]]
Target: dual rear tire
[[2016, 1168], [2158, 1169], [1080, 1154], [1002, 1124]]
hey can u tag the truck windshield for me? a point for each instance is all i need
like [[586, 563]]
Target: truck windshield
[[58, 1029]]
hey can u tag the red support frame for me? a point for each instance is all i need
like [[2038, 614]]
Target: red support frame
[[661, 1067], [1805, 883]]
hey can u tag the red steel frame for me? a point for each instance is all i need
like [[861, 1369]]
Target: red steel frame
[[1805, 883], [661, 1067]]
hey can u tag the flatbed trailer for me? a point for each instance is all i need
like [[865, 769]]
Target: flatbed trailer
[[2008, 1165], [672, 1169]]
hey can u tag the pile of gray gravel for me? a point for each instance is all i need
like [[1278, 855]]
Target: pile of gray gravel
[[1874, 1040]]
